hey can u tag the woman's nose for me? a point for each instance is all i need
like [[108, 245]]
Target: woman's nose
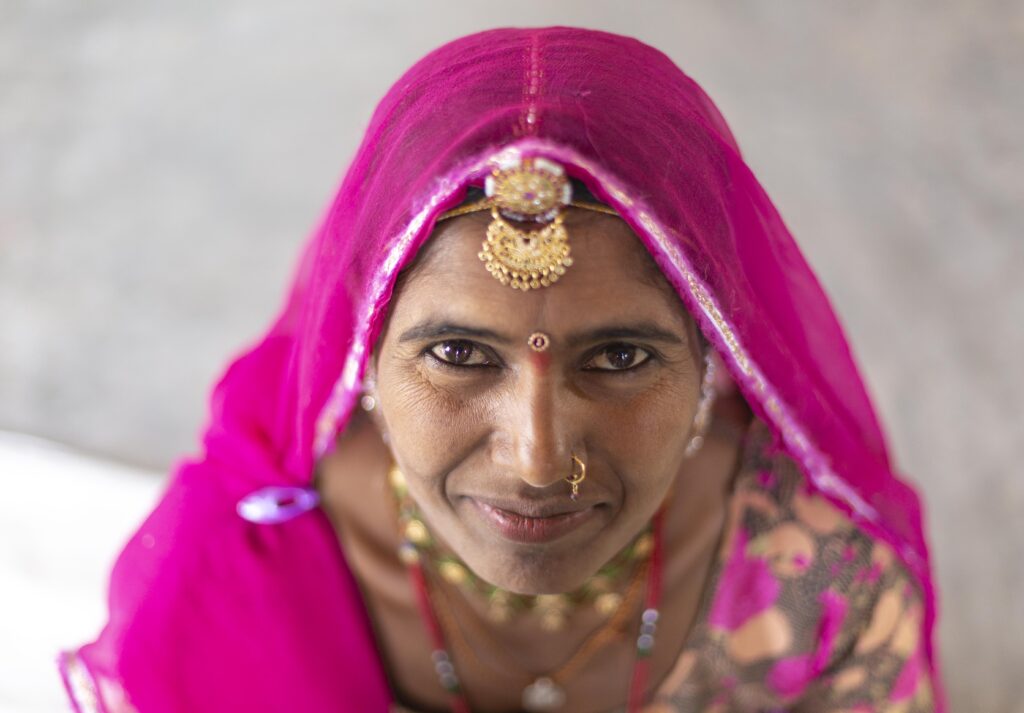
[[541, 434]]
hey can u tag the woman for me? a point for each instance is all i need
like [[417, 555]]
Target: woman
[[613, 452]]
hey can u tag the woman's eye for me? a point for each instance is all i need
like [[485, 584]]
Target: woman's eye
[[459, 353], [618, 357]]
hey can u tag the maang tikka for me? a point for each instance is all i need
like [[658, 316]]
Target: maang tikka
[[532, 190], [526, 190]]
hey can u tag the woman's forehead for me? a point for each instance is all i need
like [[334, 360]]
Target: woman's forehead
[[612, 277]]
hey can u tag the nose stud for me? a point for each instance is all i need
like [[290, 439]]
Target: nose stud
[[578, 475]]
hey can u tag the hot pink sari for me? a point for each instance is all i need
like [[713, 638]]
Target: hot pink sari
[[235, 596]]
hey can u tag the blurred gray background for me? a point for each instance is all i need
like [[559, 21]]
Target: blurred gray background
[[160, 164]]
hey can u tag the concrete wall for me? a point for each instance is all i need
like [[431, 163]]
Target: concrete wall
[[134, 133]]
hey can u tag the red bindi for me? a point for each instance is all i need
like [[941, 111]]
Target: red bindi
[[540, 361], [539, 343]]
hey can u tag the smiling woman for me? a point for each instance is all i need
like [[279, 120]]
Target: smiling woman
[[507, 424], [613, 453], [616, 388]]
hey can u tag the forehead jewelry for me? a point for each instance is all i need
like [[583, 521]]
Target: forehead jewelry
[[577, 476], [526, 190], [539, 342], [532, 190]]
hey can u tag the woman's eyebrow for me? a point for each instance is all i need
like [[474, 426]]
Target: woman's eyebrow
[[647, 331], [436, 329]]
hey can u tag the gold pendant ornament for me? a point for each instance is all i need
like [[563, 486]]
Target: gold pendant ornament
[[527, 190], [522, 259]]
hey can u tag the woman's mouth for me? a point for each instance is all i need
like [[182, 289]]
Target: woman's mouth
[[518, 527]]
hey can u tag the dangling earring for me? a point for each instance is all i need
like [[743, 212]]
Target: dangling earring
[[368, 401], [707, 399]]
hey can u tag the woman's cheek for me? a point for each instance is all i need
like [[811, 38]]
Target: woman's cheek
[[660, 415], [428, 417], [413, 387]]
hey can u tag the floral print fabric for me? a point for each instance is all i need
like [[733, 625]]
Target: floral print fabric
[[804, 612]]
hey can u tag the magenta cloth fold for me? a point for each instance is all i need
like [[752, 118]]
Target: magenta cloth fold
[[210, 611]]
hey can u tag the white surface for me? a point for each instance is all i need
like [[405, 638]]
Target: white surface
[[63, 518]]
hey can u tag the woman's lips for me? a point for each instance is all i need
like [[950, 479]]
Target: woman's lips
[[526, 529]]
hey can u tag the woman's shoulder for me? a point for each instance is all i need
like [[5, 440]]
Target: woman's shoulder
[[804, 606]]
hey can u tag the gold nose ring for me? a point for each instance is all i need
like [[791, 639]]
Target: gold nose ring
[[579, 474]]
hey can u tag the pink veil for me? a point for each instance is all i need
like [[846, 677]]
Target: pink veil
[[210, 611]]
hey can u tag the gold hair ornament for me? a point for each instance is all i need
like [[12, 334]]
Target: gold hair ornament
[[528, 190]]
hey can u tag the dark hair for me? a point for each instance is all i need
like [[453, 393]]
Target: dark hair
[[580, 192]]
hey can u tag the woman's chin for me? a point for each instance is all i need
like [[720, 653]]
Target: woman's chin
[[532, 570], [536, 578], [556, 555]]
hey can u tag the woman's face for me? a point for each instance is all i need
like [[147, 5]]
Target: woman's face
[[484, 428]]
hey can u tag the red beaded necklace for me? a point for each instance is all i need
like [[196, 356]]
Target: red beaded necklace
[[445, 668]]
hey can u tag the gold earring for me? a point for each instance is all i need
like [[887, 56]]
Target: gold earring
[[574, 479]]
